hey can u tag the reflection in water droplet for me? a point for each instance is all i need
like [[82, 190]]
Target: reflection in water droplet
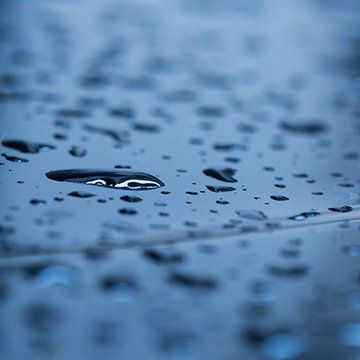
[[120, 179], [27, 146]]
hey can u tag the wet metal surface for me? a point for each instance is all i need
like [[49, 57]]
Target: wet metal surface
[[241, 118]]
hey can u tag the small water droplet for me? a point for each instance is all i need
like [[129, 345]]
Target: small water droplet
[[251, 214], [131, 199], [222, 202], [37, 202], [304, 127], [81, 194], [341, 209], [223, 174], [164, 256], [121, 288], [292, 271], [303, 216], [193, 281], [127, 211], [279, 198], [218, 189], [77, 151]]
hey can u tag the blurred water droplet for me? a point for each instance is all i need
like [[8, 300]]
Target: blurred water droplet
[[27, 146], [303, 216], [14, 158], [77, 151], [120, 288], [80, 194], [251, 214], [55, 275], [131, 199]]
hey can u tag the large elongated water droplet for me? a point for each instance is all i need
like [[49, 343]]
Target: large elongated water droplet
[[120, 179]]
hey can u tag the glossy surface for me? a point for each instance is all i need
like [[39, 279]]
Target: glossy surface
[[242, 117]]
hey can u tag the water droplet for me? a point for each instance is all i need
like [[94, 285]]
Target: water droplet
[[81, 194], [55, 275], [303, 216], [285, 346], [77, 151], [224, 174], [14, 158], [251, 214], [341, 209], [118, 179], [37, 202], [222, 202], [305, 127], [27, 146], [164, 256], [131, 199], [351, 250], [123, 112], [292, 271], [279, 198], [73, 113], [121, 288], [193, 281], [229, 147], [147, 128], [127, 211], [218, 189]]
